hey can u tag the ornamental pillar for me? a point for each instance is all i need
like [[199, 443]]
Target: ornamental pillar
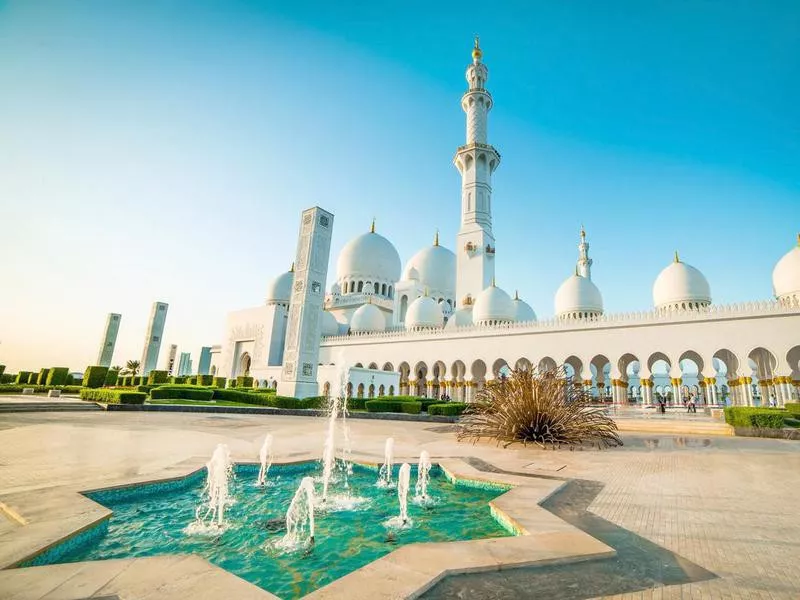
[[469, 391], [429, 388]]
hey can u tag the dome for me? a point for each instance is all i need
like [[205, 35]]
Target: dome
[[279, 290], [434, 267], [522, 310], [330, 326], [424, 312], [681, 286], [367, 317], [369, 256], [786, 275], [460, 318], [491, 305], [578, 295]]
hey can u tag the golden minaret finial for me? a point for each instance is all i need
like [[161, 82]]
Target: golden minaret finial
[[677, 258], [477, 53], [516, 294], [291, 269], [372, 227], [493, 282], [436, 238], [583, 232]]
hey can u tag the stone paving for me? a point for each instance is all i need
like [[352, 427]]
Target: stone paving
[[719, 505]]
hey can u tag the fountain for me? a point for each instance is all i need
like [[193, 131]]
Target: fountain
[[403, 480], [329, 451], [220, 469], [385, 474], [423, 476], [300, 517], [266, 460]]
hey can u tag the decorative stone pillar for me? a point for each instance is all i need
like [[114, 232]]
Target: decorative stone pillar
[[587, 386], [469, 391], [429, 388], [677, 395], [647, 392]]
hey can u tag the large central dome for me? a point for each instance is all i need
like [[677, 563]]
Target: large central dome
[[680, 286], [435, 268], [370, 256], [578, 297]]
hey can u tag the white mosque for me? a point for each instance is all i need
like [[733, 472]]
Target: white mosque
[[441, 326]]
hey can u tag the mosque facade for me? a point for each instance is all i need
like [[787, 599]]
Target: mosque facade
[[441, 326]]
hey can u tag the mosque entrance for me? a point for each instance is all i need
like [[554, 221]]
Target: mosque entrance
[[244, 365]]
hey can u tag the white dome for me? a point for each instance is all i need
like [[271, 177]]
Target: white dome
[[279, 290], [679, 285], [492, 304], [786, 275], [522, 311], [578, 295], [369, 256], [367, 317], [424, 312], [459, 318], [434, 267], [330, 326]]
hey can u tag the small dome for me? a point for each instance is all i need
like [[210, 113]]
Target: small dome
[[330, 326], [578, 296], [424, 312], [681, 286], [492, 305], [370, 255], [460, 318], [522, 310], [434, 267], [367, 317], [279, 290], [786, 275]]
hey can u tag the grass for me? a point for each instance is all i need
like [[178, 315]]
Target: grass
[[205, 403]]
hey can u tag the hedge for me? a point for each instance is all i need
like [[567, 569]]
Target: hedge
[[746, 416], [243, 381], [112, 396], [219, 382], [177, 380], [112, 377], [233, 395], [7, 378], [318, 402], [135, 380], [191, 380], [42, 378], [205, 380], [39, 389], [95, 376], [144, 388], [22, 377], [2, 371], [57, 376], [355, 403], [793, 407], [183, 393], [157, 377], [385, 405], [447, 408]]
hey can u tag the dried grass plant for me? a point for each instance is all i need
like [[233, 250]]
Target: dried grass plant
[[537, 407]]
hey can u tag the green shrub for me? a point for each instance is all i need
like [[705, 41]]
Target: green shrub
[[311, 401], [243, 381], [447, 408], [793, 407], [112, 396], [191, 380], [95, 376], [157, 377], [144, 388], [219, 382], [748, 416], [69, 389], [355, 403], [41, 379], [70, 380], [112, 377], [58, 376], [8, 378], [22, 377], [177, 380], [181, 393], [205, 380], [139, 380], [383, 406], [410, 408], [2, 371]]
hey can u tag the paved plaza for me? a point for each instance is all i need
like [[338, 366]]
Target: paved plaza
[[689, 516]]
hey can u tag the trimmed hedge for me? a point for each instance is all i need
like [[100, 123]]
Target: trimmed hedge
[[95, 376], [112, 396], [355, 403], [144, 388], [177, 380], [112, 377], [793, 407], [451, 409], [191, 380], [181, 393], [243, 381], [205, 380], [259, 399], [39, 389], [385, 405], [58, 376], [219, 382], [157, 377], [137, 380], [7, 378], [318, 402], [2, 371], [747, 416], [22, 377], [42, 378]]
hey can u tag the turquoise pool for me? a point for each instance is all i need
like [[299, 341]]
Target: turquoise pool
[[150, 520]]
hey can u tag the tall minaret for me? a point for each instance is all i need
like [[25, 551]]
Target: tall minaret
[[584, 262], [476, 161]]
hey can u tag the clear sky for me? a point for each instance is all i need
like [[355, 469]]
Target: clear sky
[[163, 150]]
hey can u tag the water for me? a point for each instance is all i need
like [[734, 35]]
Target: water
[[385, 473], [403, 481], [423, 476], [265, 455], [300, 518], [209, 515], [153, 524], [329, 450]]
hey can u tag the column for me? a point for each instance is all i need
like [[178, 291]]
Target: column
[[714, 399], [469, 391], [412, 388], [429, 388]]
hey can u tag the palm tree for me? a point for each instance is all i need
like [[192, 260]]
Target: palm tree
[[132, 367]]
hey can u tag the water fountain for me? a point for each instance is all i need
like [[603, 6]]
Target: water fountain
[[423, 476], [403, 481], [329, 451], [300, 517], [385, 474], [266, 460], [215, 492]]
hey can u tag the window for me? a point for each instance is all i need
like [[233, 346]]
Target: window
[[162, 307], [156, 338], [360, 286], [383, 289], [377, 288]]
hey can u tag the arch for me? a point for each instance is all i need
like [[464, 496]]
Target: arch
[[404, 369], [326, 389], [793, 361], [359, 365], [765, 362], [387, 367], [349, 389], [600, 367], [625, 361], [391, 390], [377, 287], [381, 390], [547, 363], [421, 375], [500, 368], [523, 364], [371, 390], [391, 292], [373, 366], [383, 290], [694, 357], [577, 366], [360, 286], [728, 359], [478, 369], [360, 390], [244, 364], [458, 370], [655, 357], [403, 308]]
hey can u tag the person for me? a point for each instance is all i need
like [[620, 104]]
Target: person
[[772, 402], [662, 406], [692, 406]]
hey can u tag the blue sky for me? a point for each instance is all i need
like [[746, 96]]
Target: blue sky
[[163, 150]]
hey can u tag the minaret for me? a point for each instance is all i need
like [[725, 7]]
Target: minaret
[[584, 262], [476, 161]]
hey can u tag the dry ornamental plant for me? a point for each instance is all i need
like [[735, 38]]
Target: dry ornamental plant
[[537, 407]]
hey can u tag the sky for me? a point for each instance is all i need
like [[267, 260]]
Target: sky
[[163, 150]]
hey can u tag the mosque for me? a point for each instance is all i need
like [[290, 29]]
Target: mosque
[[440, 325]]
